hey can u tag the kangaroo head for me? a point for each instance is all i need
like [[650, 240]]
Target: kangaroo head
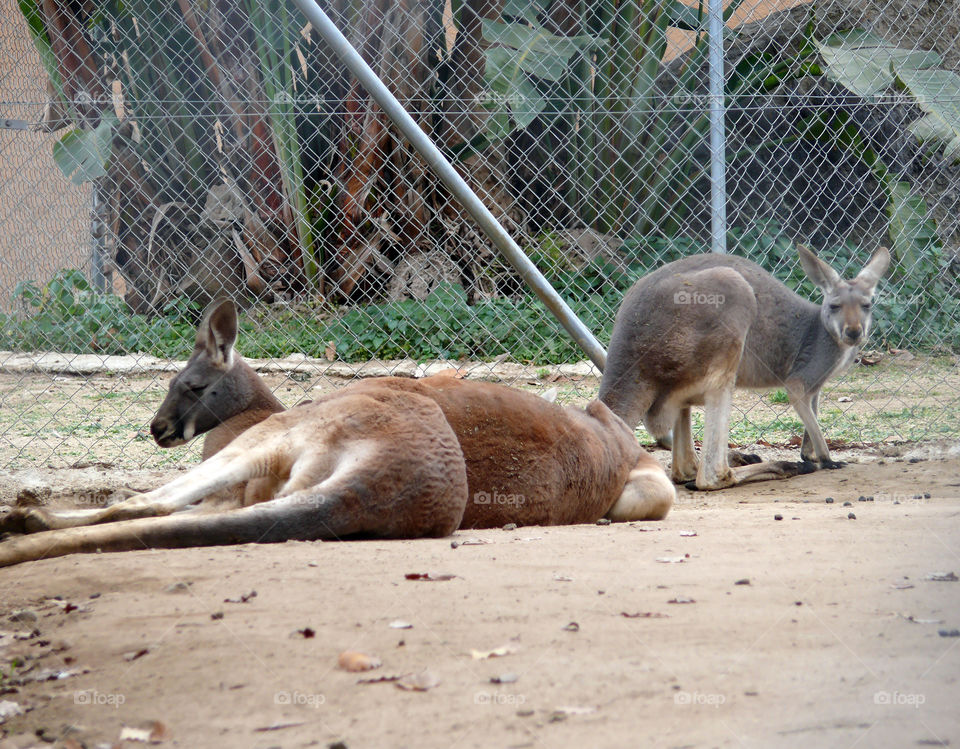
[[214, 386], [847, 305]]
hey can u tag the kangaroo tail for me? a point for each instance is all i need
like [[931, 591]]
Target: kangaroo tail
[[295, 517]]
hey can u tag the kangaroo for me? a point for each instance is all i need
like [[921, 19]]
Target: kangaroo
[[692, 331], [387, 457]]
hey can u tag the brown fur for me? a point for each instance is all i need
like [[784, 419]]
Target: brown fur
[[386, 457]]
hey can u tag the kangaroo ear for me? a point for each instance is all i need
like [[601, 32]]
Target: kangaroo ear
[[873, 271], [218, 332], [817, 271]]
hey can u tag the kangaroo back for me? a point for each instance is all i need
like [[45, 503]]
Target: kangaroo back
[[529, 461]]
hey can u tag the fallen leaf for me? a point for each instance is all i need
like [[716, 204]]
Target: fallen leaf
[[563, 578], [572, 627], [276, 727], [381, 679], [672, 560], [504, 679], [420, 682], [135, 734], [307, 633], [562, 713], [68, 607], [681, 599], [645, 615], [482, 655], [134, 654], [844, 399], [902, 586], [474, 542], [688, 533], [351, 660], [911, 618], [400, 624], [241, 599], [153, 733], [429, 576], [942, 577]]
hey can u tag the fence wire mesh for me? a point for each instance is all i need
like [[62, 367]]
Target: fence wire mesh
[[158, 155]]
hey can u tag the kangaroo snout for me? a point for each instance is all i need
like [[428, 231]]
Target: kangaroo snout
[[852, 334], [163, 432]]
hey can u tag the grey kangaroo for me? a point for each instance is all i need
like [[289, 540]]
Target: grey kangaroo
[[388, 456], [692, 331]]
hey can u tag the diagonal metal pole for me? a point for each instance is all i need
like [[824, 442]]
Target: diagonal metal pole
[[453, 181]]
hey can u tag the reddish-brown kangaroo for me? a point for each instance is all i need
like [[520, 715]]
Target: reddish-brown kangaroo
[[385, 457]]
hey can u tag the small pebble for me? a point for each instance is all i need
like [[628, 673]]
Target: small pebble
[[851, 516], [829, 500], [778, 517], [24, 616], [848, 504], [510, 527], [915, 460], [603, 521], [926, 495], [949, 632], [743, 581]]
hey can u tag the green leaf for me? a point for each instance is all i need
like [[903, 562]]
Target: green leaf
[[83, 155], [535, 50], [685, 17], [864, 62], [937, 93], [912, 234], [529, 10]]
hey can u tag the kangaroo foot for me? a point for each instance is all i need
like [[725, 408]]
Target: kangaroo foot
[[831, 464], [20, 520]]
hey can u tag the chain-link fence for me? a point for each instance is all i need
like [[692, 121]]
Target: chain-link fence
[[158, 155]]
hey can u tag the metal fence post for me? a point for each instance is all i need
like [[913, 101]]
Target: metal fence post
[[718, 170]]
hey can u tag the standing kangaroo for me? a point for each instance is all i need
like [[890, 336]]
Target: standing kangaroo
[[388, 457], [695, 329]]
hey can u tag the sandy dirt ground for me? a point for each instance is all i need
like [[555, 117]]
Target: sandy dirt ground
[[838, 639]]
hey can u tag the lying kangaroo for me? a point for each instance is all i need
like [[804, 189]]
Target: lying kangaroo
[[388, 457], [692, 331]]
